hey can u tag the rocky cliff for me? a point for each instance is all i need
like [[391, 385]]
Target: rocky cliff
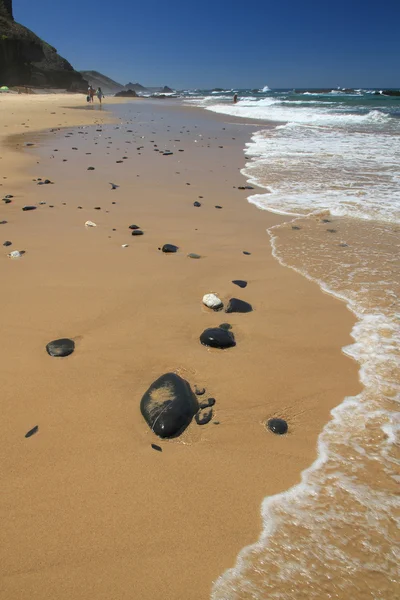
[[26, 60]]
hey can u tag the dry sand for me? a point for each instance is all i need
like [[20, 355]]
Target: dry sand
[[88, 508]]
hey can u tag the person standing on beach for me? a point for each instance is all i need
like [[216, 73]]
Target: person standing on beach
[[99, 94], [90, 93], [235, 98]]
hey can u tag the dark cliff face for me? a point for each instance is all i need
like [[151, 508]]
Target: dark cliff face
[[26, 60]]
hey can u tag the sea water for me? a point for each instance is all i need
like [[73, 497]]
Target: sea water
[[331, 163]]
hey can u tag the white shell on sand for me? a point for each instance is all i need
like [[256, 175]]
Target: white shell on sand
[[90, 224], [124, 246], [15, 254], [212, 301]]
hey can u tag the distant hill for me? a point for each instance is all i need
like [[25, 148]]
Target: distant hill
[[136, 87], [96, 79], [26, 60]]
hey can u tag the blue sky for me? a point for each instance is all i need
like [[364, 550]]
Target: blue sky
[[251, 43]]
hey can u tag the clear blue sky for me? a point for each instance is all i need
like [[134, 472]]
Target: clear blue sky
[[220, 43]]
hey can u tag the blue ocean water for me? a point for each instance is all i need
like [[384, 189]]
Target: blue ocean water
[[332, 157]]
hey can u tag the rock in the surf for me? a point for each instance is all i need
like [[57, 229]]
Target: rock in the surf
[[215, 337], [60, 348], [169, 248], [278, 426], [212, 301], [169, 405], [238, 306]]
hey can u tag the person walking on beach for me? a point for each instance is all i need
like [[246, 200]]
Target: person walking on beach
[[99, 94], [90, 93]]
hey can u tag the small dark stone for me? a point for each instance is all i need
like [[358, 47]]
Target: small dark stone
[[7, 243], [169, 405], [167, 153], [326, 220], [246, 253], [296, 227], [32, 431], [216, 422], [90, 168], [215, 337], [137, 232], [202, 418], [208, 403], [331, 230], [97, 208], [7, 201], [197, 204], [248, 187], [278, 426], [9, 196], [119, 161], [240, 283], [168, 248], [199, 391], [134, 227], [62, 347], [225, 326], [238, 306], [155, 447], [47, 181], [25, 208], [3, 222], [217, 206]]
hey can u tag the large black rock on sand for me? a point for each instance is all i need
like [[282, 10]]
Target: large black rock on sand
[[169, 405]]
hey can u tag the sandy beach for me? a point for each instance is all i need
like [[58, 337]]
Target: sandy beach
[[89, 509]]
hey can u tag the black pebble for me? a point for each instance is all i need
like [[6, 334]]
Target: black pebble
[[155, 447], [331, 230], [90, 168], [225, 326], [199, 391], [208, 403], [246, 253], [217, 206], [202, 418], [215, 337], [97, 208], [296, 227], [7, 243], [61, 347], [25, 208], [240, 283], [278, 426], [32, 431], [196, 203], [137, 232], [238, 306], [3, 222], [134, 227], [168, 248]]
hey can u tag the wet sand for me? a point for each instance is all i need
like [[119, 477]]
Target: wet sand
[[89, 509]]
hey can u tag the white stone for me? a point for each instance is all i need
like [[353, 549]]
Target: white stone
[[90, 224], [212, 301], [15, 254]]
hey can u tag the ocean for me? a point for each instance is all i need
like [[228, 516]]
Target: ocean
[[331, 163]]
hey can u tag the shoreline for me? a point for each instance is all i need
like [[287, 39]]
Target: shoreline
[[215, 446]]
